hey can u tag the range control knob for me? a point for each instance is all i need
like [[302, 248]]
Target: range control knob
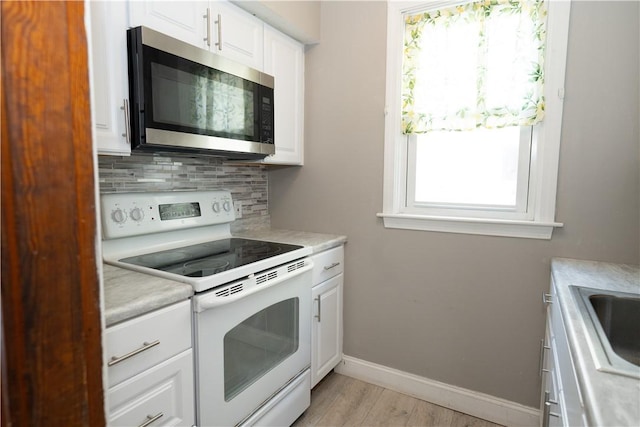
[[118, 216], [216, 207], [136, 214], [226, 206]]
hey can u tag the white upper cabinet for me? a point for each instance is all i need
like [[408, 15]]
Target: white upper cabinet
[[284, 59], [110, 92], [236, 34], [183, 20], [217, 26]]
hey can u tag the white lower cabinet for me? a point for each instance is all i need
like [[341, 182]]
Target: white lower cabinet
[[160, 396], [561, 402], [150, 369], [326, 326]]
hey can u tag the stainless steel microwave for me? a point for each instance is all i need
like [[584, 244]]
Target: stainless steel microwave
[[186, 99]]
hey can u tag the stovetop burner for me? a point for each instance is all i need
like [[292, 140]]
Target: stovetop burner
[[207, 259]]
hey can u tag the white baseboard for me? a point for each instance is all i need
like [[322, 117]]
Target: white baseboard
[[470, 402]]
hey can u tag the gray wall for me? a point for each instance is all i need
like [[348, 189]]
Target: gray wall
[[461, 309], [298, 19]]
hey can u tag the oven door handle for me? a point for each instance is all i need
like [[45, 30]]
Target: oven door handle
[[211, 299]]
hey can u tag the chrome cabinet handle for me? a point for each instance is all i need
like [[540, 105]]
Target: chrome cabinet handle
[[335, 264], [547, 409], [151, 419], [208, 18], [125, 108], [145, 346], [219, 22], [319, 308], [546, 298], [545, 413], [541, 360]]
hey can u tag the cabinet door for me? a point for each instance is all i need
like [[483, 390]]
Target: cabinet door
[[284, 59], [160, 396], [237, 34], [183, 20], [326, 329], [109, 76]]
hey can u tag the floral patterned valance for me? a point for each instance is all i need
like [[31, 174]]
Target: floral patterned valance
[[474, 65]]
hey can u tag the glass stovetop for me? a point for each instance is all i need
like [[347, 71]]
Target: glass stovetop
[[206, 259]]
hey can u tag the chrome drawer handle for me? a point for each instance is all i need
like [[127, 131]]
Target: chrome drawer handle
[[151, 419], [546, 413], [145, 346], [541, 360], [335, 264], [319, 308]]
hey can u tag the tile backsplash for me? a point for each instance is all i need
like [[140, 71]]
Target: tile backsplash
[[248, 183]]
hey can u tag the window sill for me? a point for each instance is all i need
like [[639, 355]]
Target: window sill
[[481, 226]]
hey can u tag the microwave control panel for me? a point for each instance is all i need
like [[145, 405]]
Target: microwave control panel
[[267, 117]]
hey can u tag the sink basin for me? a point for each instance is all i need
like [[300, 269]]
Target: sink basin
[[613, 325], [620, 320]]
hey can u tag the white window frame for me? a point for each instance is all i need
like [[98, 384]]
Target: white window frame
[[545, 146]]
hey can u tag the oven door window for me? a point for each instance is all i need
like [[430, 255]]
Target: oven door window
[[185, 96], [258, 344]]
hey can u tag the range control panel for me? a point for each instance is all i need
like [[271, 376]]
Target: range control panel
[[130, 214]]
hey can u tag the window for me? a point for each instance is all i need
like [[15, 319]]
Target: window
[[481, 172], [472, 134]]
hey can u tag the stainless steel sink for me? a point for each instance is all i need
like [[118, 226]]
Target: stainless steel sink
[[613, 326]]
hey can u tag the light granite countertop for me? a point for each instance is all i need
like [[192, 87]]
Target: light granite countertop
[[129, 294], [610, 399]]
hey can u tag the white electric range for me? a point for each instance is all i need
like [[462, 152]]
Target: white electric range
[[251, 308]]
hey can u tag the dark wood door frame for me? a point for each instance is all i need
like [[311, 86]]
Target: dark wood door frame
[[51, 330]]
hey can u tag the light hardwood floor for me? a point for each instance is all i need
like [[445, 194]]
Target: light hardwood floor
[[339, 400]]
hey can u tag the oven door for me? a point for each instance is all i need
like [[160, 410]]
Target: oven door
[[250, 344]]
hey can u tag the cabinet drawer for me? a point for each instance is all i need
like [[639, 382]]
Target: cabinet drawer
[[164, 392], [569, 398], [138, 344], [328, 264]]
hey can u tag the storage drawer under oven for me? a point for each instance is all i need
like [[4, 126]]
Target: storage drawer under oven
[[140, 343], [160, 396], [327, 264]]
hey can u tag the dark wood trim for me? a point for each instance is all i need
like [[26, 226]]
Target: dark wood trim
[[51, 331]]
